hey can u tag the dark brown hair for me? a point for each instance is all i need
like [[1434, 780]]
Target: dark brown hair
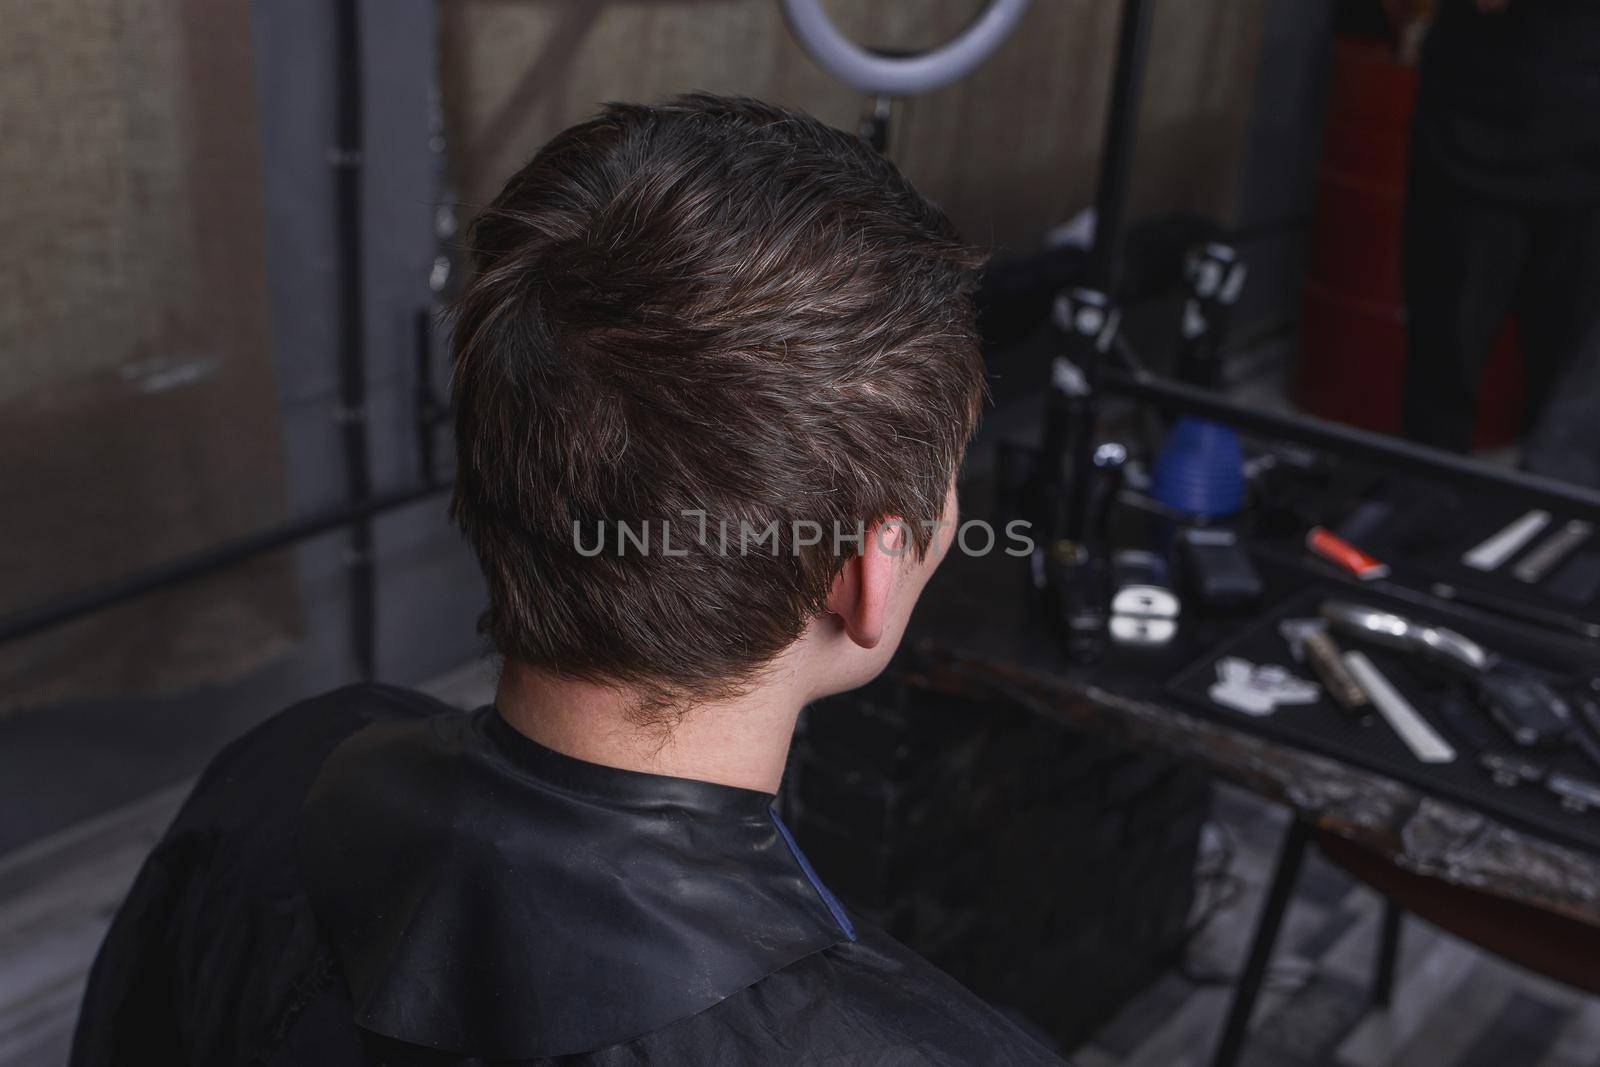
[[713, 305]]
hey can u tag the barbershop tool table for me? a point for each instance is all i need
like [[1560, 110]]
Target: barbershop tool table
[[975, 635]]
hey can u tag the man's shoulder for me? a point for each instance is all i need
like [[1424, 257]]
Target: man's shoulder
[[870, 1001], [183, 964], [282, 755], [242, 814], [332, 715]]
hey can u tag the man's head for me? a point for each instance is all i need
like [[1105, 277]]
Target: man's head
[[742, 334]]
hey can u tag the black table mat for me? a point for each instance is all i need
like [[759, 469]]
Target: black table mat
[[1323, 728], [1428, 544]]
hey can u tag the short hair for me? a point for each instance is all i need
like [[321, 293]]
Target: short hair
[[717, 306]]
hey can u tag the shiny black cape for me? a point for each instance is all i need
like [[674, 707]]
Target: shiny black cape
[[373, 877]]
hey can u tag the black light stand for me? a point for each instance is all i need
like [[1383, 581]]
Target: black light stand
[[1061, 489], [1086, 344], [1088, 316]]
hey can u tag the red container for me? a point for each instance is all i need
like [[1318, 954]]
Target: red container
[[1353, 341]]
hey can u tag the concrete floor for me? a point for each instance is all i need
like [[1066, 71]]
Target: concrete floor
[[1453, 1006]]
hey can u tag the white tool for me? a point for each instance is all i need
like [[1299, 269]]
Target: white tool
[[1508, 542], [1147, 601], [1258, 690], [1144, 611], [1143, 631], [1424, 742]]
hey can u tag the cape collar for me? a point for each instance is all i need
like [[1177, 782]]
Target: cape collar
[[488, 896]]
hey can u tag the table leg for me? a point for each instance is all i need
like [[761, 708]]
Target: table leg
[[1290, 853], [1388, 954]]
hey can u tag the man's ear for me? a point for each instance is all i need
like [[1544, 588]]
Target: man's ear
[[860, 594]]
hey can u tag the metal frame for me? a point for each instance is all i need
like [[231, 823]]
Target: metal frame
[[1349, 441], [346, 160], [87, 602]]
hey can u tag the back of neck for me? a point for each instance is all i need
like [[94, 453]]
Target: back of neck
[[742, 742]]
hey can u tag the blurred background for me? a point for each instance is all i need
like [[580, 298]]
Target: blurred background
[[223, 378], [176, 373]]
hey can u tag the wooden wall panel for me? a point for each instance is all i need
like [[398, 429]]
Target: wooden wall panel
[[1009, 151], [138, 411]]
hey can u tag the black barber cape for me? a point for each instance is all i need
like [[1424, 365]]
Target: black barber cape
[[375, 878]]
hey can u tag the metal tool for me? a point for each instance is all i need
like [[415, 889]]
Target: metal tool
[[1530, 712], [1396, 631], [1516, 609], [1589, 707], [1523, 704], [1110, 463], [1076, 585], [1309, 641], [1501, 546], [1558, 546], [1080, 573], [1505, 768], [1577, 794], [1509, 768], [1587, 745], [1585, 734], [1421, 738]]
